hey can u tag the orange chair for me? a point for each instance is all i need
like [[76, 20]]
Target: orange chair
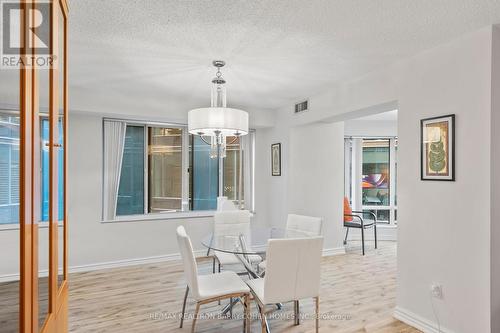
[[355, 219]]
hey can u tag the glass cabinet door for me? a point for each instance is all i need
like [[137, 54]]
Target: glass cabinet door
[[9, 201], [62, 142], [33, 127]]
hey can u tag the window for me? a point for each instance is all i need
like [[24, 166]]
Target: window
[[131, 189], [45, 181], [164, 169], [375, 172], [204, 176], [233, 186], [375, 178], [9, 169]]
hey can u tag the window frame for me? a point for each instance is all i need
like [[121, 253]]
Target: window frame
[[352, 179], [185, 210]]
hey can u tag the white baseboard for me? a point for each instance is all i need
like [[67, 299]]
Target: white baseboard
[[418, 322], [131, 262], [9, 278], [333, 251], [112, 264], [371, 238], [142, 261], [384, 233]]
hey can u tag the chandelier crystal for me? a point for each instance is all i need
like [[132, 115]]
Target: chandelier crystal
[[218, 121]]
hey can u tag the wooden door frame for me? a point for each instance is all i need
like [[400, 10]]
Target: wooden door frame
[[58, 296], [26, 227], [56, 320]]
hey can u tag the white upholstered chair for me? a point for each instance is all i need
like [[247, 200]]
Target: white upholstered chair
[[300, 226], [224, 204], [209, 288], [293, 273], [232, 223]]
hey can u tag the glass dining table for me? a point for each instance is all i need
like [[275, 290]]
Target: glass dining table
[[252, 241], [243, 244]]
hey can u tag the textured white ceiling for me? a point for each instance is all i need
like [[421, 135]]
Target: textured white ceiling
[[150, 56]]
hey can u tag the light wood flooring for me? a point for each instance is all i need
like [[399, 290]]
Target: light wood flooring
[[357, 295]]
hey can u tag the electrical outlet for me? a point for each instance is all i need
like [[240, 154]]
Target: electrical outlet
[[437, 290]]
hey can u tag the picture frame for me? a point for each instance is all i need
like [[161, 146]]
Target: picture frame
[[276, 159], [437, 148]]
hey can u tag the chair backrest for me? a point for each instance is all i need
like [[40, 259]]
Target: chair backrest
[[299, 226], [188, 260], [232, 223], [293, 269], [347, 211], [224, 204]]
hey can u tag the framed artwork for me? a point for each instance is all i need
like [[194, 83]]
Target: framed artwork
[[276, 159], [437, 155]]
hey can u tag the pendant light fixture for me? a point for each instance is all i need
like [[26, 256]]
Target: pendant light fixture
[[218, 121]]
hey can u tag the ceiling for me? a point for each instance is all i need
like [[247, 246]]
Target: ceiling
[[154, 56]]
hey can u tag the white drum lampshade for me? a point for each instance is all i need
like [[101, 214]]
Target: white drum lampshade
[[218, 121], [214, 121]]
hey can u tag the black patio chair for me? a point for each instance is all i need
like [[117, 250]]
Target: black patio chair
[[359, 221]]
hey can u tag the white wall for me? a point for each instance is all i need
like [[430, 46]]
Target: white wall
[[316, 177], [371, 128], [495, 184], [443, 227]]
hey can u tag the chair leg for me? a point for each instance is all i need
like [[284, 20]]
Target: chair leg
[[263, 319], [317, 314], [363, 240], [296, 309], [196, 312], [184, 306], [231, 307], [218, 262], [213, 265], [246, 320], [375, 231], [346, 234]]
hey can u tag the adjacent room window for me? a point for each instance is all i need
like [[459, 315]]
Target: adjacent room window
[[376, 177], [163, 169], [371, 166]]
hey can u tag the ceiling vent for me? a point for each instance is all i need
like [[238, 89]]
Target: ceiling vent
[[301, 107]]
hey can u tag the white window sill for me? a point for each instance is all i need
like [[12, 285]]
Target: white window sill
[[162, 216], [383, 225], [165, 216]]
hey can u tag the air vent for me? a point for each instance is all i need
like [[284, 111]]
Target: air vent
[[301, 107]]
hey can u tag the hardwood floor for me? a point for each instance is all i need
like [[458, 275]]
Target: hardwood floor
[[357, 295]]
